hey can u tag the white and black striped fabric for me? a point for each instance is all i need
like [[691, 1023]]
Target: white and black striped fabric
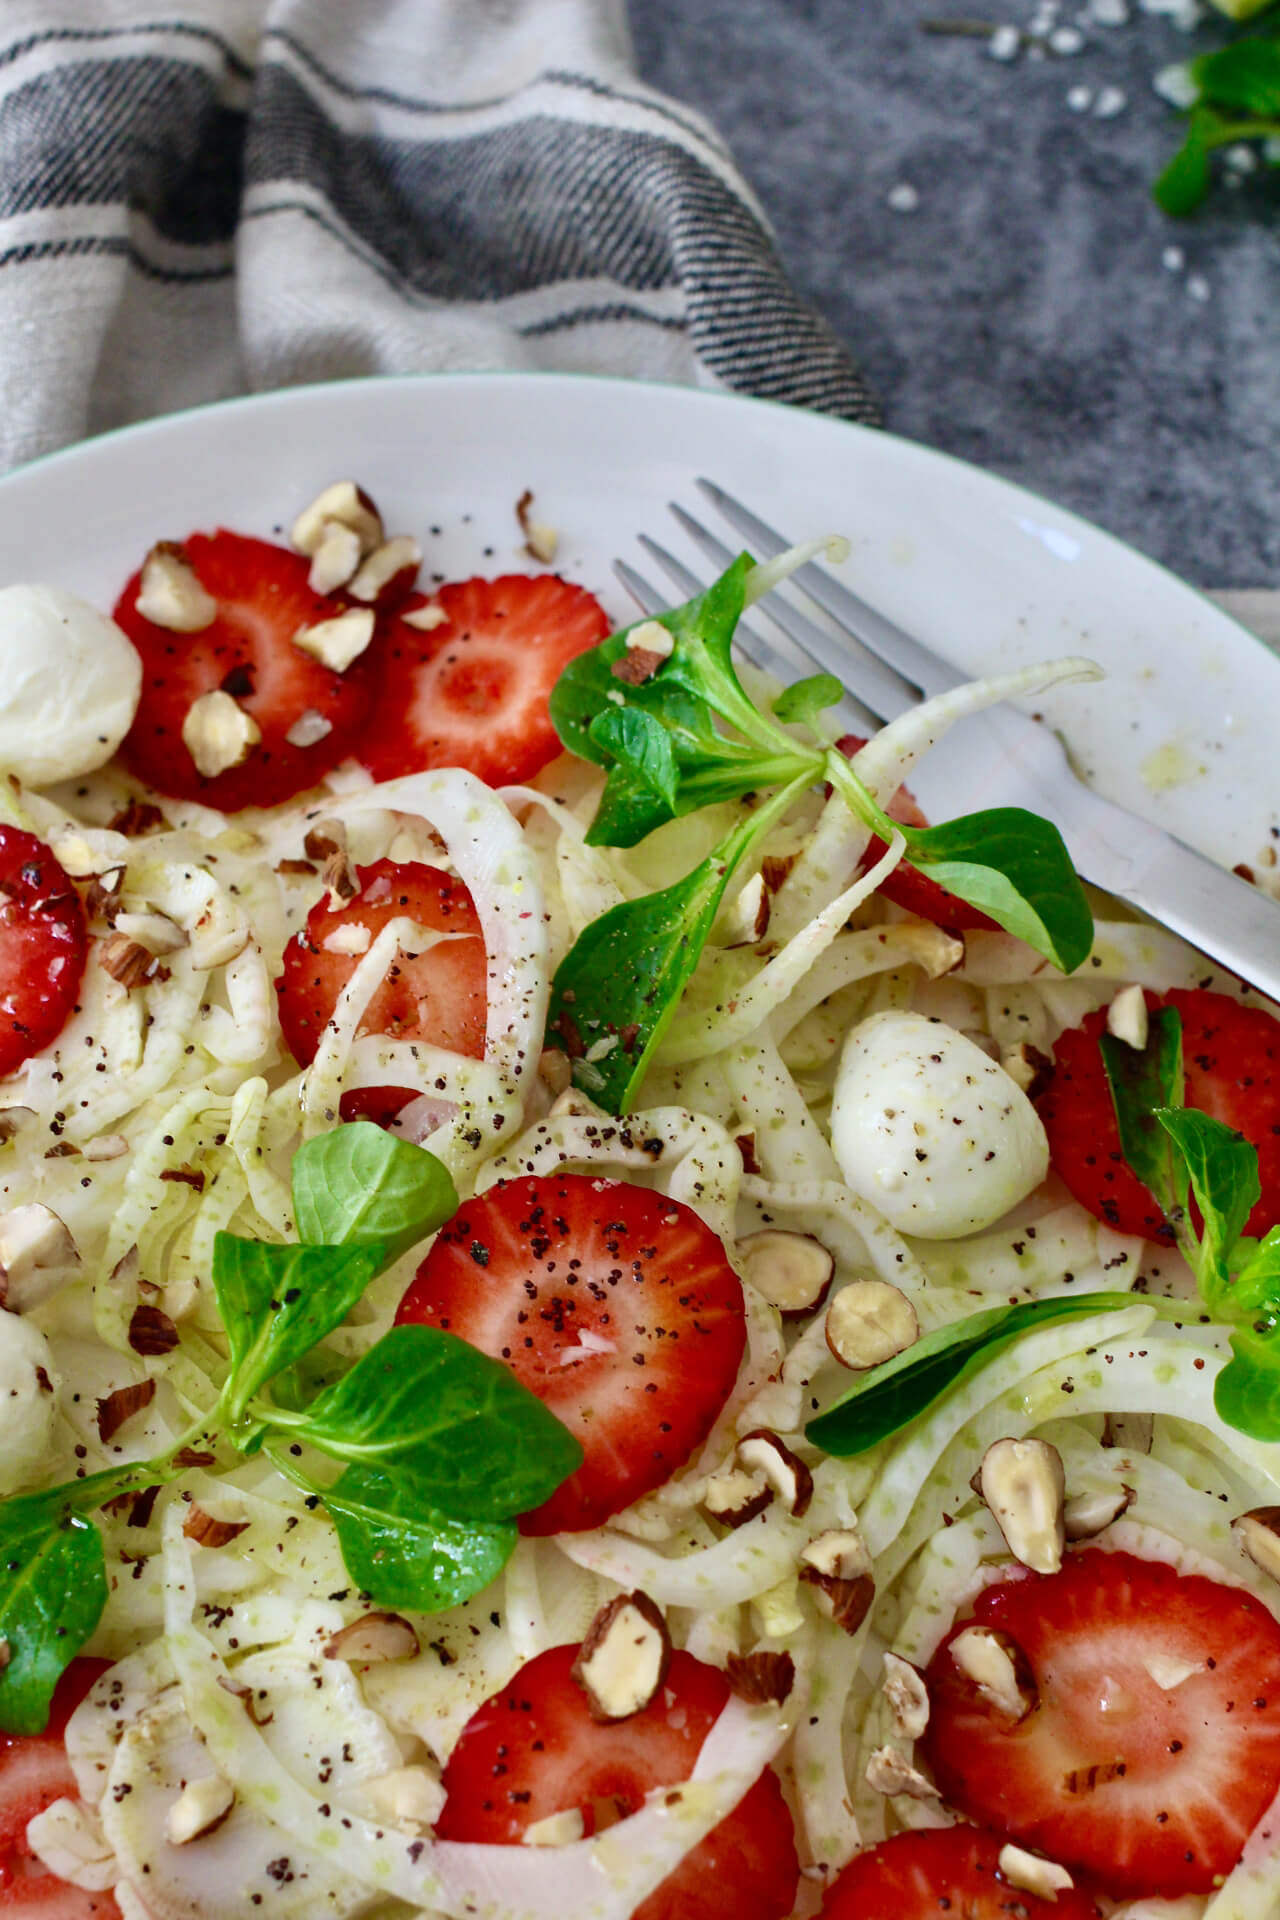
[[227, 195]]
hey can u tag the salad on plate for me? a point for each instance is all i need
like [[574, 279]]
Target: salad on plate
[[598, 1318]]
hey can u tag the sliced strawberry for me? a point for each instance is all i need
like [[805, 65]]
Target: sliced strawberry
[[939, 1870], [617, 1307], [473, 692], [1154, 1746], [248, 651], [439, 995], [915, 892], [34, 1772], [534, 1750], [42, 947], [1231, 1057]]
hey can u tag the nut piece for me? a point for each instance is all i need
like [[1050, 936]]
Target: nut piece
[[624, 1658], [353, 939], [1027, 1067], [117, 1407], [170, 596], [309, 729], [426, 620], [373, 1638], [336, 557], [556, 1830], [1127, 1017], [36, 1248], [889, 1772], [1023, 1484], [199, 1808], [761, 1678], [998, 1668], [218, 734], [746, 920], [792, 1270], [127, 961], [540, 541], [1168, 1671], [837, 1566], [1088, 1513], [151, 1331], [390, 569], [762, 1452], [650, 636], [736, 1496], [1032, 1874], [154, 931], [907, 1695], [208, 1531], [1258, 1532], [1133, 1432], [350, 506], [868, 1322], [336, 643]]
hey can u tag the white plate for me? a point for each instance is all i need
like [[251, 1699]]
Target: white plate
[[1182, 730]]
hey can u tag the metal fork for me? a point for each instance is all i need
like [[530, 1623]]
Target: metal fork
[[1005, 757]]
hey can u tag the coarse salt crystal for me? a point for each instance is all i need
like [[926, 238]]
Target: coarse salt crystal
[[1173, 259], [1110, 102], [1080, 99], [1240, 158], [1177, 85], [1198, 288], [1004, 43], [1109, 13], [1066, 40], [903, 198]]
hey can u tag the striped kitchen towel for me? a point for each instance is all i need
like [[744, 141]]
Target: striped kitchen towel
[[229, 195]]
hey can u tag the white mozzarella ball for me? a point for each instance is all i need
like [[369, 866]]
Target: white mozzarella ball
[[28, 1381], [929, 1131], [69, 685]]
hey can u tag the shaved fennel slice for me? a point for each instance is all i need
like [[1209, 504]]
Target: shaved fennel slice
[[789, 1143], [888, 757], [856, 956], [697, 1037], [853, 1231]]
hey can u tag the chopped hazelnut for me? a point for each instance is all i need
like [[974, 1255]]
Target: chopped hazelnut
[[868, 1322], [1024, 1486], [624, 1658], [791, 1270]]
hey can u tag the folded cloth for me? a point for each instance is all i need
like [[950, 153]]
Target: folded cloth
[[229, 195]]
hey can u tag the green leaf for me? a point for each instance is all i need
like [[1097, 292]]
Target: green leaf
[[1015, 867], [889, 1397], [1184, 183], [478, 1443], [641, 746], [402, 1553], [1010, 863], [1223, 1167], [1246, 1394], [1243, 77], [1257, 1281], [622, 980], [53, 1588], [806, 699], [1142, 1080], [277, 1302], [361, 1186]]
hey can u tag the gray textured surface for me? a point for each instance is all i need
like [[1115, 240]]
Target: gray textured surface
[[1021, 317]]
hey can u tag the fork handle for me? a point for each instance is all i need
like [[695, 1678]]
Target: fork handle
[[1216, 911]]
